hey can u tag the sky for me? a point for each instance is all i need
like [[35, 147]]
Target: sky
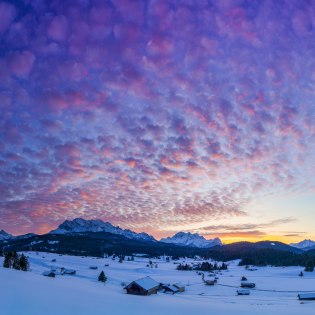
[[159, 116]]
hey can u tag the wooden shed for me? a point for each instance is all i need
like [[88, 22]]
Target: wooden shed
[[245, 284], [306, 296], [179, 286], [168, 288], [143, 286], [49, 273], [69, 272], [243, 292]]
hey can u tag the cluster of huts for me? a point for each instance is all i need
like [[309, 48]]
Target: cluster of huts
[[58, 271], [148, 286]]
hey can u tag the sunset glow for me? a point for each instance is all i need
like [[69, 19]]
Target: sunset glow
[[159, 116]]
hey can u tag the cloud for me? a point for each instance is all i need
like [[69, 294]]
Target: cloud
[[153, 114]]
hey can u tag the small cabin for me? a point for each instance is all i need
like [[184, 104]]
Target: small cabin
[[243, 292], [248, 284], [69, 272], [143, 286], [169, 288], [179, 286], [49, 273], [210, 282], [306, 296]]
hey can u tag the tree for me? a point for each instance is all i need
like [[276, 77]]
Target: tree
[[24, 264], [309, 266], [102, 277], [7, 260], [15, 261]]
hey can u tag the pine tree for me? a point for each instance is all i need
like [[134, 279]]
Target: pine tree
[[102, 277], [309, 266], [7, 260], [24, 264], [15, 261]]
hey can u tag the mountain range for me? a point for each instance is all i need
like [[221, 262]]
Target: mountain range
[[80, 225], [304, 245], [95, 237], [189, 239]]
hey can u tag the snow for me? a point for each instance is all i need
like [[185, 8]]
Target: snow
[[80, 225], [190, 239], [305, 245], [4, 235], [147, 283], [30, 293]]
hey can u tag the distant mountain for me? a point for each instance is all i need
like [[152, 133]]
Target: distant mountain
[[192, 240], [79, 225], [304, 245], [5, 236], [98, 244], [243, 247], [28, 235]]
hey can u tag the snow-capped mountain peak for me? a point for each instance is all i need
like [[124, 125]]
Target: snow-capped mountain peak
[[305, 245], [80, 225], [5, 236], [190, 239]]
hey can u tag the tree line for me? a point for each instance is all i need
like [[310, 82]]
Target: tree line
[[204, 266], [15, 261]]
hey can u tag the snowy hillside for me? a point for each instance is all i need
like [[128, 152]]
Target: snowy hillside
[[189, 239], [305, 245], [79, 225], [4, 235], [30, 293]]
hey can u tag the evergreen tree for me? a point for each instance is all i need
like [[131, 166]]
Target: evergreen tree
[[7, 260], [15, 261], [309, 266], [102, 277], [24, 264]]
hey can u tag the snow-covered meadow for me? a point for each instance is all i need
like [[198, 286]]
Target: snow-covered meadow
[[30, 293]]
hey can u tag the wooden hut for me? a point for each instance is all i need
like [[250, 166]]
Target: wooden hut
[[210, 282], [169, 288], [245, 284], [180, 287], [69, 272], [306, 296], [49, 273], [243, 292], [93, 267], [143, 286]]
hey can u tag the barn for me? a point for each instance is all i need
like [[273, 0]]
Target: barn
[[143, 286], [49, 273], [245, 284], [180, 287], [306, 296], [69, 271]]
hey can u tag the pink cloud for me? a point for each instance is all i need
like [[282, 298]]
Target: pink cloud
[[20, 64], [7, 15]]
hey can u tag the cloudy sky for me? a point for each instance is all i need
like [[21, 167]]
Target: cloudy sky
[[159, 116]]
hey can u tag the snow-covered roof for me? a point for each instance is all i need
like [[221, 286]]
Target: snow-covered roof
[[46, 273], [179, 285], [307, 295], [147, 283], [171, 287]]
